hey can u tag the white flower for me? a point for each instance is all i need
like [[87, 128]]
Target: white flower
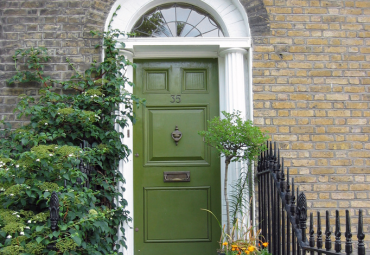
[[38, 160], [50, 155], [46, 190], [80, 151], [9, 236], [46, 124], [29, 221], [18, 216], [11, 195], [27, 227], [58, 113], [56, 147], [14, 213], [21, 233], [70, 155], [17, 166], [2, 189]]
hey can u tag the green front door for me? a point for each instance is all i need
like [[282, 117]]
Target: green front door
[[175, 173]]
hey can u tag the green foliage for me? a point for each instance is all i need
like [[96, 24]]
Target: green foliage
[[38, 158], [234, 138]]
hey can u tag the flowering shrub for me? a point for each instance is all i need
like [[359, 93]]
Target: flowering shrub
[[240, 247], [44, 156]]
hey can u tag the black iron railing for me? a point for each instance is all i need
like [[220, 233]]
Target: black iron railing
[[282, 214], [54, 199]]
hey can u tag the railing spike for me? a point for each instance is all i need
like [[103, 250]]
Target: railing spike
[[282, 176], [292, 201], [270, 149], [297, 212], [319, 232], [348, 234], [312, 231], [288, 195], [338, 243], [327, 233], [360, 234]]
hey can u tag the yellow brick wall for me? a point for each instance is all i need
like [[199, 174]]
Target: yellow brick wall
[[311, 92]]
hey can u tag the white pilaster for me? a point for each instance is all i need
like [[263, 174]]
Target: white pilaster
[[235, 83], [235, 98], [126, 167]]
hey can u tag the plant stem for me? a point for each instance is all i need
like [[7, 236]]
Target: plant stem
[[227, 163]]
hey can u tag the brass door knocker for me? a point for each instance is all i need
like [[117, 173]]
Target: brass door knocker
[[176, 135]]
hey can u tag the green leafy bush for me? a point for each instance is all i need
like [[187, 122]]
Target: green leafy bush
[[35, 160], [237, 140]]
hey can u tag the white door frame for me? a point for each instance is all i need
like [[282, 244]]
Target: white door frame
[[235, 89], [234, 55]]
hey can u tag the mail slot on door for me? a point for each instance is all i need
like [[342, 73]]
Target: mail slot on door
[[183, 176]]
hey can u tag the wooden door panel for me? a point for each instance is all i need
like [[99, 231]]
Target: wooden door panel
[[156, 80], [172, 214], [167, 212], [161, 149], [194, 80]]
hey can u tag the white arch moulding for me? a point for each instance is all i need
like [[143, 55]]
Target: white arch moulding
[[234, 55]]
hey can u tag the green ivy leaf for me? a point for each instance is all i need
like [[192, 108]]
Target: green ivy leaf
[[39, 229], [39, 239]]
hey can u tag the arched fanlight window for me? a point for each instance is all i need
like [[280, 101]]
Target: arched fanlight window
[[177, 20]]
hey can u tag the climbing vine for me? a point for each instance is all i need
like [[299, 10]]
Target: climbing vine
[[46, 155]]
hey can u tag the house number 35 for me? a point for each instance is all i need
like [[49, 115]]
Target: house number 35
[[176, 98]]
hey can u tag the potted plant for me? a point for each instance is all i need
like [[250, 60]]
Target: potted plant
[[236, 140]]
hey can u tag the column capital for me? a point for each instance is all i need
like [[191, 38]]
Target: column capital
[[128, 54], [223, 52]]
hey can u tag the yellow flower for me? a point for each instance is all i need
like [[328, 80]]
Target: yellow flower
[[233, 249], [244, 248], [224, 243], [247, 252], [251, 248], [234, 246], [265, 244]]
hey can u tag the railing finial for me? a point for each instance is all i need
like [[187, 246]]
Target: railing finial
[[312, 231], [287, 194], [292, 201], [348, 234], [360, 234], [283, 183], [302, 213], [319, 232], [54, 211], [338, 243], [327, 233]]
